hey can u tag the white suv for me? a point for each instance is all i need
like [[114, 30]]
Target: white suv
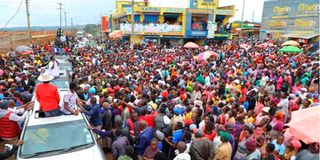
[[63, 137]]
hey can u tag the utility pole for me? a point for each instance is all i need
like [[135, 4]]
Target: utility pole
[[243, 4], [253, 16], [71, 22], [60, 8], [28, 20], [65, 19], [132, 24]]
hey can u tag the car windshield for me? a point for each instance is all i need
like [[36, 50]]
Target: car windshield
[[60, 83], [55, 138], [65, 66]]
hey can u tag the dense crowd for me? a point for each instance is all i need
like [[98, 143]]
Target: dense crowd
[[154, 103]]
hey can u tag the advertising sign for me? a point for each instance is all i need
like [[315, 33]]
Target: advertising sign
[[104, 23], [212, 27], [199, 33], [151, 28], [206, 4]]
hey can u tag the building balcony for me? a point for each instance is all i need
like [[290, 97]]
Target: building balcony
[[152, 29]]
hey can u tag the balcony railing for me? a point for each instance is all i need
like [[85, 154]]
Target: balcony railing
[[150, 28]]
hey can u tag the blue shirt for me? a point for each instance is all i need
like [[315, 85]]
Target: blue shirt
[[94, 115], [177, 136], [279, 147]]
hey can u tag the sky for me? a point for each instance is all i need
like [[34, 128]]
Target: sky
[[46, 12]]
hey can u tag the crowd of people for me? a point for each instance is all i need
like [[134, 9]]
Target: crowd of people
[[151, 103]]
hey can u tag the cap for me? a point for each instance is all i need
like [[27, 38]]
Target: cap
[[266, 109]]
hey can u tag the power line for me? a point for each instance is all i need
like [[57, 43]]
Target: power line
[[12, 16]]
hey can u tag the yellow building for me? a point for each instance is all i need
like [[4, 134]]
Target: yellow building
[[172, 25]]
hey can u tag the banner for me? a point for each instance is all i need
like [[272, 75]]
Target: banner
[[104, 23], [151, 28], [212, 27]]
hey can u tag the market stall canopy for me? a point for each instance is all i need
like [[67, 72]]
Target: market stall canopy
[[305, 124], [291, 49], [191, 45], [304, 36], [290, 43], [207, 54], [116, 34]]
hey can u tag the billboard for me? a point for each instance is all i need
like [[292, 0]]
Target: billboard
[[104, 23], [288, 17]]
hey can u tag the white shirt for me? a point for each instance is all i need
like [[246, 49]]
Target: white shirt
[[71, 99], [55, 70], [216, 142], [14, 115], [183, 156]]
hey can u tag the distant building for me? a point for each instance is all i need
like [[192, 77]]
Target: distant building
[[290, 19], [201, 20]]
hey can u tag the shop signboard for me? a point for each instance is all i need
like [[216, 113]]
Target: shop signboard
[[200, 11], [206, 4], [172, 10], [199, 33], [151, 28]]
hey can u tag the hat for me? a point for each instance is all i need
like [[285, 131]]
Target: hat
[[4, 104], [225, 135], [251, 144], [304, 89], [266, 109], [236, 81], [92, 90], [153, 105], [292, 96], [177, 110], [10, 80], [45, 77]]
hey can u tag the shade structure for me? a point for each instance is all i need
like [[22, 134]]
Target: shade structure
[[207, 54], [245, 46], [305, 124], [290, 43], [116, 34], [290, 49], [191, 45], [23, 49]]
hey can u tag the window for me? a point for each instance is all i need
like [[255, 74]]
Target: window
[[56, 138], [199, 22]]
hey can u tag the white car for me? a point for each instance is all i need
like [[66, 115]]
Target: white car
[[63, 137]]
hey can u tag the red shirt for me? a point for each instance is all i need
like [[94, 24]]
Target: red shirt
[[149, 119], [48, 97]]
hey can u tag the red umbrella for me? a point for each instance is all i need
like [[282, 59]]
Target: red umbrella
[[191, 45], [245, 46]]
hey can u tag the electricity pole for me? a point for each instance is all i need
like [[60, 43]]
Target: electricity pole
[[253, 16], [243, 4], [132, 25], [60, 8], [65, 19], [71, 22], [28, 20]]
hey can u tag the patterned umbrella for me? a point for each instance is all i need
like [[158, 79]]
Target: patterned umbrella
[[207, 54], [290, 43], [23, 49], [191, 45]]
